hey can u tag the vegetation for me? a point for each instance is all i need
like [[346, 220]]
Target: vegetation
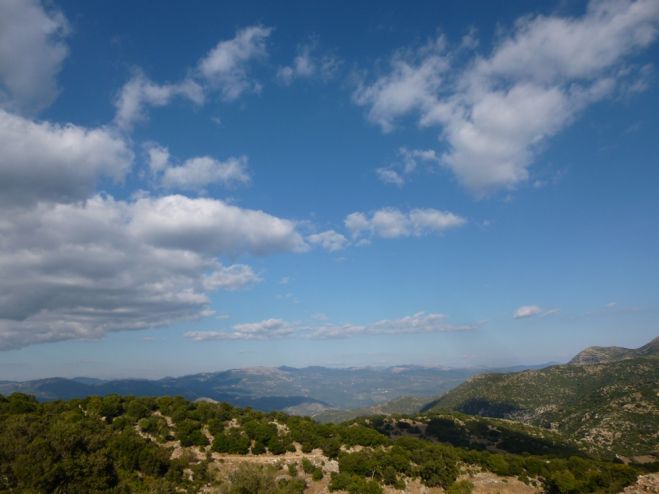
[[607, 408], [122, 445], [260, 479]]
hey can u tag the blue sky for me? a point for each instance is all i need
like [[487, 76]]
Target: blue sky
[[195, 186]]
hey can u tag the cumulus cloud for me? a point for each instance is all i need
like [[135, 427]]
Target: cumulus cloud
[[418, 323], [225, 67], [407, 163], [41, 161], [32, 50], [83, 269], [140, 93], [390, 176], [308, 64], [195, 173], [212, 226], [158, 157], [496, 112], [533, 310], [231, 278], [411, 85], [329, 240], [393, 223]]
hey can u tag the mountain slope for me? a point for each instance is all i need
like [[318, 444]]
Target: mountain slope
[[138, 445], [604, 354], [609, 407]]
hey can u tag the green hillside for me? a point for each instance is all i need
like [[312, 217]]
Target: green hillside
[[170, 445], [606, 408], [406, 405]]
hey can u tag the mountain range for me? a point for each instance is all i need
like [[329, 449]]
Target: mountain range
[[304, 390]]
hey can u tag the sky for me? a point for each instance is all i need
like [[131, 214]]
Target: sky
[[196, 186]]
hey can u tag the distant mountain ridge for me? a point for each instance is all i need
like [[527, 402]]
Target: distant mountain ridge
[[610, 406], [303, 391], [604, 354], [265, 388]]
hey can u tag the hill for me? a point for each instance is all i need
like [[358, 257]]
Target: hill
[[405, 405], [610, 408], [306, 391], [163, 445], [601, 355]]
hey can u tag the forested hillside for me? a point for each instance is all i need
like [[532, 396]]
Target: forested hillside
[[124, 445], [607, 408]]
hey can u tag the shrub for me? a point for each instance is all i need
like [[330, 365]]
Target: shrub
[[460, 487], [232, 441], [354, 484]]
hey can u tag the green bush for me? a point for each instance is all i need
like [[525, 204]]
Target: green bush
[[190, 434], [259, 479], [460, 487], [292, 469], [354, 484], [231, 441]]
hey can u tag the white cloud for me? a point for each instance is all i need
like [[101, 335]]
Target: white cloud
[[410, 86], [527, 311], [390, 176], [231, 278], [262, 330], [41, 161], [407, 163], [553, 49], [421, 322], [81, 270], [329, 240], [393, 223], [357, 223], [533, 310], [225, 66], [433, 221], [210, 225], [496, 112], [267, 326], [307, 64], [32, 50], [223, 69], [139, 93], [390, 223], [158, 157], [195, 173]]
